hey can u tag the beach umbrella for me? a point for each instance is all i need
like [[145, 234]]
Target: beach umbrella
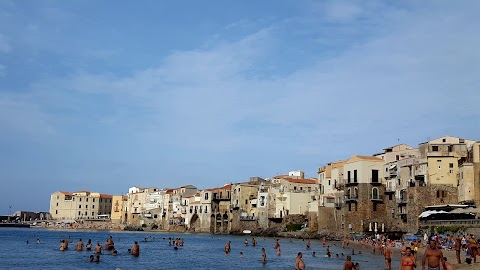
[[411, 237]]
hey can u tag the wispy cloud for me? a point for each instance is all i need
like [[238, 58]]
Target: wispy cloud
[[291, 94]]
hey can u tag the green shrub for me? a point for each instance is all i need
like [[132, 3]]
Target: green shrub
[[294, 227], [154, 226], [144, 225]]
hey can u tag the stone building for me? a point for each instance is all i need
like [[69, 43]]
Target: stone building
[[80, 205], [364, 188], [119, 209], [220, 216]]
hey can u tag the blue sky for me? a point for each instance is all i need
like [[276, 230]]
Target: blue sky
[[105, 95]]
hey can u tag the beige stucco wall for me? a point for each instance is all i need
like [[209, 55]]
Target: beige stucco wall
[[466, 187], [442, 170]]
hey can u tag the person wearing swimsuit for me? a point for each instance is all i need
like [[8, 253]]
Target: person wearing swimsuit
[[408, 261]]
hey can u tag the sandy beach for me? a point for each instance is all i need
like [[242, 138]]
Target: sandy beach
[[449, 254]]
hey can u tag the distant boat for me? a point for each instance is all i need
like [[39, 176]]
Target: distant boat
[[247, 232]]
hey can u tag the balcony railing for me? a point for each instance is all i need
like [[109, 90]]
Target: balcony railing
[[351, 198], [377, 181], [248, 218], [352, 182], [390, 190], [401, 201], [457, 222], [378, 198]]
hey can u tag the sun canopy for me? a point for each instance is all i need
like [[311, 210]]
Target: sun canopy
[[469, 210], [431, 212]]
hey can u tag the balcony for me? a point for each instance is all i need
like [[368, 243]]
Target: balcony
[[220, 198], [401, 201], [378, 198], [248, 218], [393, 173], [339, 186], [376, 182], [351, 182], [389, 190], [350, 199]]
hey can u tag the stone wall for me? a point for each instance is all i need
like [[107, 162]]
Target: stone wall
[[366, 211], [419, 197], [329, 220]]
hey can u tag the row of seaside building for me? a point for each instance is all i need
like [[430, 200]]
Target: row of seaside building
[[383, 192]]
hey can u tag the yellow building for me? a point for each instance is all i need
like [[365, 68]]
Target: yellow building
[[119, 209], [80, 205]]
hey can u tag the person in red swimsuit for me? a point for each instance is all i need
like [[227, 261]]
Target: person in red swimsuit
[[408, 261]]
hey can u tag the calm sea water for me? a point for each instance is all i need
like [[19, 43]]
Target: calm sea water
[[200, 251]]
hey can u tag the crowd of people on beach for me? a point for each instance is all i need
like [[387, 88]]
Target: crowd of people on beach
[[378, 244]]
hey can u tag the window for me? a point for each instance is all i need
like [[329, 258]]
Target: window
[[450, 148], [348, 176], [86, 199], [450, 165], [57, 203], [56, 211], [441, 194], [93, 199], [80, 206], [93, 206], [79, 213], [309, 189], [329, 182], [93, 214], [86, 213], [439, 167], [375, 193], [355, 176], [301, 188], [80, 199], [444, 140], [295, 188], [439, 160], [375, 176], [206, 209], [397, 157], [86, 206], [434, 148], [246, 201]]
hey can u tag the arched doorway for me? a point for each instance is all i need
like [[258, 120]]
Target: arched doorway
[[195, 223]]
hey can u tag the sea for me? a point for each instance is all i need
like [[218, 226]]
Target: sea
[[200, 251]]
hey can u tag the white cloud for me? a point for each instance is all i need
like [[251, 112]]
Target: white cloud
[[343, 10], [22, 116]]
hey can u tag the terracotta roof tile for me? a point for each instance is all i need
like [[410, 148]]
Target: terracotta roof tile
[[300, 181]]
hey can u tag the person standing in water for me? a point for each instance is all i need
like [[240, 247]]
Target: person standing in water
[[264, 256], [79, 245], [136, 249], [348, 265], [299, 264]]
